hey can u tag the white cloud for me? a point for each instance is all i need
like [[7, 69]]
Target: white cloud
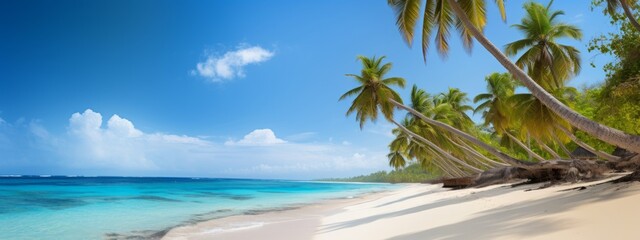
[[258, 137], [117, 147], [122, 127], [231, 64], [346, 143]]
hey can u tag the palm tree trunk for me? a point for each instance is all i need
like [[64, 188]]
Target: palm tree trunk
[[531, 152], [548, 149], [467, 153], [562, 146], [582, 144], [446, 172], [610, 135], [465, 146], [528, 146], [502, 156], [629, 14], [452, 167], [435, 147]]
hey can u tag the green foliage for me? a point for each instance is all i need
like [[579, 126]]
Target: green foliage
[[374, 92], [618, 99], [413, 173], [548, 62], [438, 21]]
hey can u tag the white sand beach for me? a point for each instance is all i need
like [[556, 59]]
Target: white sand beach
[[422, 211]]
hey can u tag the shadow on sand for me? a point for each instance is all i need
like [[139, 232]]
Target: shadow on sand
[[500, 221]]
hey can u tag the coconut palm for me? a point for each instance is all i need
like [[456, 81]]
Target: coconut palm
[[458, 101], [494, 104], [463, 135], [404, 147], [469, 18], [544, 58], [613, 5], [439, 109], [373, 92], [496, 107], [375, 95]]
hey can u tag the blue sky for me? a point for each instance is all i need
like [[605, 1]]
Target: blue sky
[[216, 88]]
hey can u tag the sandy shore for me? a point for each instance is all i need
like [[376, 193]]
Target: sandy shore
[[603, 211]]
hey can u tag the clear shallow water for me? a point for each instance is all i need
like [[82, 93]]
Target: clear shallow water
[[141, 208]]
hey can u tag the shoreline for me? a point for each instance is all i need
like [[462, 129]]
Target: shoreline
[[238, 226], [588, 210]]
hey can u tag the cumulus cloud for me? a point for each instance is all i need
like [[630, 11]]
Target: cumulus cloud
[[93, 146], [231, 64], [258, 137]]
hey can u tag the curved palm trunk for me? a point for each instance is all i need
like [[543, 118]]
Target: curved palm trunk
[[531, 152], [441, 163], [468, 148], [602, 132], [445, 172], [435, 147], [629, 14], [562, 146], [548, 149], [528, 147], [467, 153], [452, 166], [502, 156], [582, 144], [474, 158]]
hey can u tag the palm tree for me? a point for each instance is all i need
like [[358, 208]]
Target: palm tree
[[374, 91], [613, 5], [544, 58], [502, 156], [470, 21], [496, 107], [458, 101], [494, 104], [375, 95], [404, 146]]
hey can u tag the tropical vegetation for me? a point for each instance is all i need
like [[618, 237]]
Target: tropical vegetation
[[414, 173], [525, 132]]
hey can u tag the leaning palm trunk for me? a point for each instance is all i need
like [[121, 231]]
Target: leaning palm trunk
[[529, 151], [528, 147], [435, 147], [582, 144], [602, 132], [447, 172], [471, 156], [452, 166], [502, 156], [468, 148], [467, 153], [629, 14], [548, 149], [562, 146], [444, 165], [441, 163]]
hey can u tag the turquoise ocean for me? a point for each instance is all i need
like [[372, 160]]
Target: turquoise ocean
[[62, 207]]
